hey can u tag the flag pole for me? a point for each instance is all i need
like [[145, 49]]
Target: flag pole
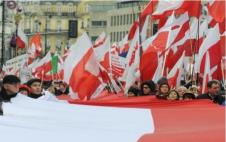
[[140, 42]]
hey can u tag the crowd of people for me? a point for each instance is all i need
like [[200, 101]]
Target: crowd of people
[[36, 88], [162, 90]]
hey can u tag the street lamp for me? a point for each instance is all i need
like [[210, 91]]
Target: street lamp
[[46, 30], [3, 31]]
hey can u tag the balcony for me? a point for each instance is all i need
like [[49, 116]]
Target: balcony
[[48, 32], [65, 14]]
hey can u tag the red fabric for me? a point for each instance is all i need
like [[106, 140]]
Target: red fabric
[[133, 30], [182, 32], [148, 10], [81, 78], [217, 10], [222, 42], [173, 80], [148, 65], [198, 121], [214, 60], [36, 40], [162, 22], [174, 121], [20, 43], [192, 7], [159, 43]]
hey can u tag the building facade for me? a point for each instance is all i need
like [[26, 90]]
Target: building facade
[[7, 28], [115, 20], [51, 20]]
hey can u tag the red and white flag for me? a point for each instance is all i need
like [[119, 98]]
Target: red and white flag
[[174, 75], [207, 73], [35, 46], [166, 8], [21, 39], [211, 43], [216, 9], [81, 70], [100, 40]]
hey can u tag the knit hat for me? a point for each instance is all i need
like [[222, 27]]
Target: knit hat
[[30, 82], [10, 79], [24, 87]]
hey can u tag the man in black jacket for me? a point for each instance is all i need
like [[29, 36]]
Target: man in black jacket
[[213, 92], [10, 88]]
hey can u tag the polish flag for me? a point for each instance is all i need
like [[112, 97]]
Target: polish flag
[[174, 75], [148, 10], [100, 40], [211, 43], [21, 39], [102, 55], [43, 69], [124, 46], [158, 71], [133, 30], [132, 71], [207, 73], [166, 8], [216, 9], [81, 70], [144, 29], [35, 46]]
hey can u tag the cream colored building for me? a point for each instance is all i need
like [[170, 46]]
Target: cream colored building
[[115, 19], [51, 19]]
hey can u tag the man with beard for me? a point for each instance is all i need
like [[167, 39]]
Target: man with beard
[[10, 88]]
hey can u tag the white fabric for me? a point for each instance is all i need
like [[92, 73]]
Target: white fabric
[[27, 120], [78, 50], [166, 5], [212, 38], [102, 49]]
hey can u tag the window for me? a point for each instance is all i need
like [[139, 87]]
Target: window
[[96, 23], [111, 36], [155, 29], [124, 19], [58, 44], [134, 17], [93, 38], [114, 20], [124, 33], [37, 26], [117, 20], [127, 19], [120, 36], [47, 24], [70, 7], [111, 20], [99, 23], [121, 20], [104, 23], [117, 36], [58, 6], [131, 18], [58, 25], [48, 44], [48, 7]]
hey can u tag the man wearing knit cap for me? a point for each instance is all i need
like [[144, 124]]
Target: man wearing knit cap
[[35, 88], [10, 87]]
